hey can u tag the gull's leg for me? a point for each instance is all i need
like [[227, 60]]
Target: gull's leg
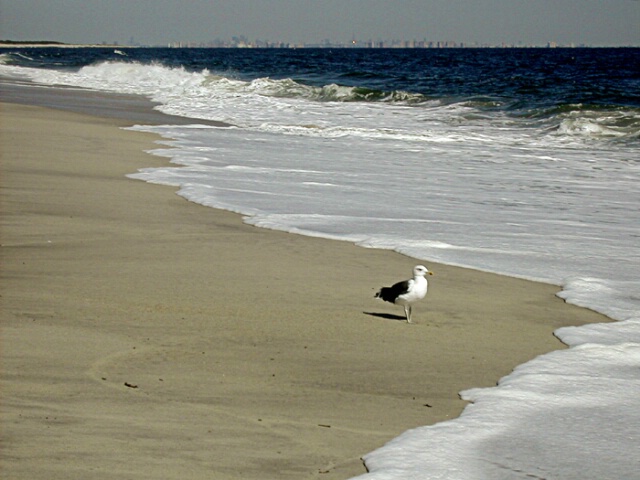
[[407, 312]]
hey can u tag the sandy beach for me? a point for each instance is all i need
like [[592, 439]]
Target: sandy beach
[[147, 337]]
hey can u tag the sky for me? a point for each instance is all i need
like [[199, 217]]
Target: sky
[[158, 22]]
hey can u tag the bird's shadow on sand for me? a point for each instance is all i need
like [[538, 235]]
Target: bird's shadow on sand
[[386, 316]]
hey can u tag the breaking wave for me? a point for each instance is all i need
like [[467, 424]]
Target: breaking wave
[[290, 106]]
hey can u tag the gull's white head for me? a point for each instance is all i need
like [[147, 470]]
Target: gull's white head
[[421, 271]]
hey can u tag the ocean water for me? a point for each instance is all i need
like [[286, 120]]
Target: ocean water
[[519, 162]]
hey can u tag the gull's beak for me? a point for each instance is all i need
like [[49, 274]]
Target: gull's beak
[[431, 273]]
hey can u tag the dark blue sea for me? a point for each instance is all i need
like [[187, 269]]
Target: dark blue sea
[[517, 79]]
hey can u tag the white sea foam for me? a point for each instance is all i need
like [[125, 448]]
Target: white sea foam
[[554, 200]]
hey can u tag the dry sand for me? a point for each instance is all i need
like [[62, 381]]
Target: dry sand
[[146, 337]]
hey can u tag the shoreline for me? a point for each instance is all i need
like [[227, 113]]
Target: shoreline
[[158, 336], [126, 109]]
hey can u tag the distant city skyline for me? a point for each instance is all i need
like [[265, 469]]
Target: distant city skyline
[[321, 22], [244, 42]]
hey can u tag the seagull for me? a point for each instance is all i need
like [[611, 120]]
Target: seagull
[[407, 292]]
